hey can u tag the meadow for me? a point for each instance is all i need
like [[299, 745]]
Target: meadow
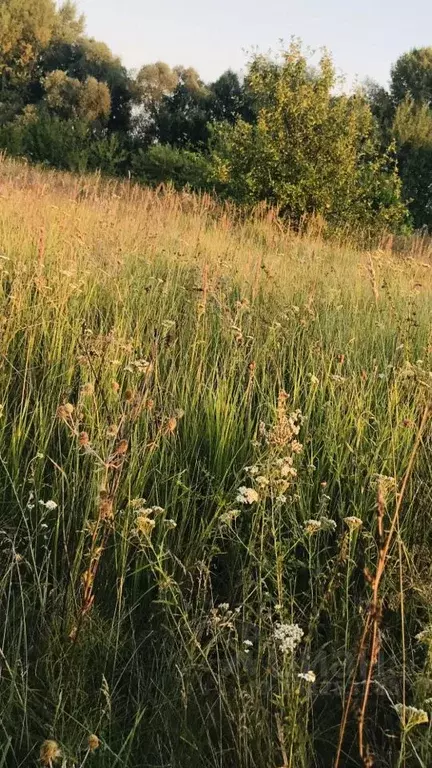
[[215, 486]]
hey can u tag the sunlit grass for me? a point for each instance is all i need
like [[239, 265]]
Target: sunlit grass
[[147, 340]]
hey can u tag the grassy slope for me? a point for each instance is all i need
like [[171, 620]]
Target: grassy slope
[[110, 623]]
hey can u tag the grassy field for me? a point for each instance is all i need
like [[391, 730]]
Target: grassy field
[[216, 487]]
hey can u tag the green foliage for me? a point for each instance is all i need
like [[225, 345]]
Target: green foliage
[[413, 123], [413, 133], [310, 151], [85, 58], [51, 140], [153, 82], [164, 164], [69, 98], [411, 76], [26, 27], [68, 26], [230, 100], [181, 118], [108, 154]]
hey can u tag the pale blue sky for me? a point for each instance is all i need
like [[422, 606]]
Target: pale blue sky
[[365, 36]]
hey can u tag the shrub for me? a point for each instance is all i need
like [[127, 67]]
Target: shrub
[[181, 167]]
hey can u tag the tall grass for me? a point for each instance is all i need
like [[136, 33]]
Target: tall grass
[[156, 355]]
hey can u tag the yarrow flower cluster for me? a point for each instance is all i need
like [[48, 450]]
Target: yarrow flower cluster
[[323, 524], [308, 677], [227, 518], [145, 518], [425, 636], [247, 495], [288, 636], [411, 716], [223, 617], [50, 505], [353, 523]]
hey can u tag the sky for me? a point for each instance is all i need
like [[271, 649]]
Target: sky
[[364, 36]]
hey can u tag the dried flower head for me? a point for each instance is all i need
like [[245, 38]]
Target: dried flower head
[[106, 509], [65, 411], [83, 440], [50, 752], [93, 742], [144, 524], [122, 448], [87, 390], [327, 524], [312, 526]]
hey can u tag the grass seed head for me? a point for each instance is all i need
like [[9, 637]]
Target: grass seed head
[[50, 752]]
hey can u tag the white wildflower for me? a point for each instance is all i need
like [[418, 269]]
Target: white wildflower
[[170, 524], [281, 499], [327, 524], [247, 645], [288, 636], [252, 471], [309, 676], [314, 379], [247, 495], [262, 481], [50, 505], [224, 607], [137, 503]]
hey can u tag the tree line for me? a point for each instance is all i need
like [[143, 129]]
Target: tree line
[[285, 133]]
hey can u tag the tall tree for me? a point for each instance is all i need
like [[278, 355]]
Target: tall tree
[[411, 76], [230, 99], [26, 27], [310, 151], [85, 58], [412, 129], [176, 106]]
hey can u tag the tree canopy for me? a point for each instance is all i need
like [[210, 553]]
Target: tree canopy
[[285, 133]]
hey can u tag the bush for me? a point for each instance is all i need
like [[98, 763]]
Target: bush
[[181, 167], [310, 151]]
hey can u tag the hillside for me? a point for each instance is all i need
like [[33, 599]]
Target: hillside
[[215, 486]]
